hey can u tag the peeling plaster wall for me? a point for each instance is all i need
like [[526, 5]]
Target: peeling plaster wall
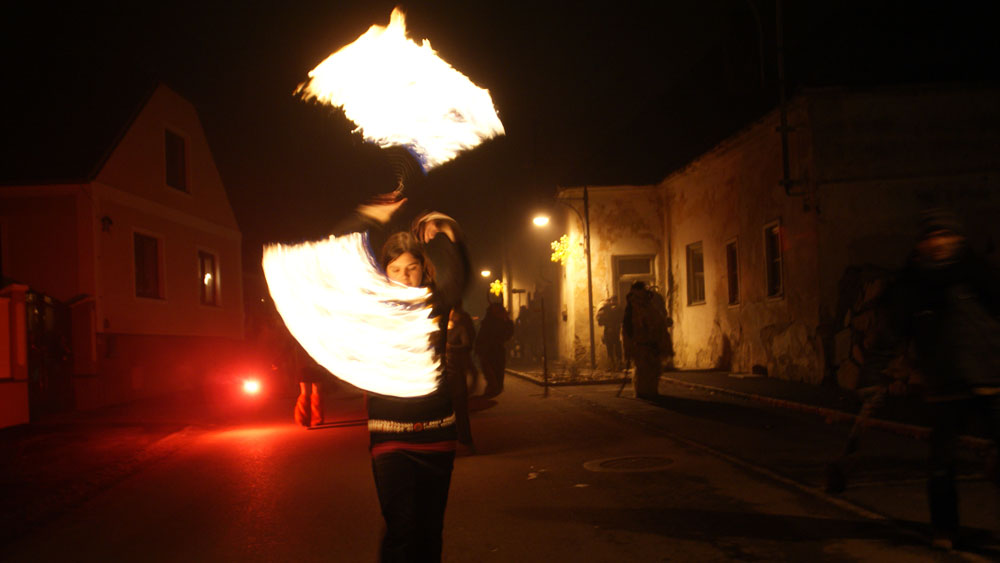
[[731, 193], [624, 221]]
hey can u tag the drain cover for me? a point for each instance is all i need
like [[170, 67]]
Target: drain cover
[[629, 464]]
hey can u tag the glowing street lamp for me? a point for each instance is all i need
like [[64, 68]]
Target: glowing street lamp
[[543, 220]]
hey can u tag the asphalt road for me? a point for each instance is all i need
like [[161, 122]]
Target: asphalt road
[[577, 476]]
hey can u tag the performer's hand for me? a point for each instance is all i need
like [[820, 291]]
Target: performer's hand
[[381, 209], [432, 228]]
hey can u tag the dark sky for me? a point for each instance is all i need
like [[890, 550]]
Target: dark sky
[[608, 93]]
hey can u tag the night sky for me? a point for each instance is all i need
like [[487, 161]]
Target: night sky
[[609, 93]]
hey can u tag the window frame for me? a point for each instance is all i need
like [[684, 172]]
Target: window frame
[[695, 279], [161, 290], [733, 273], [774, 226], [216, 284]]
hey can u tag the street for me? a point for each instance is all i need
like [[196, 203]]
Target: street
[[578, 476]]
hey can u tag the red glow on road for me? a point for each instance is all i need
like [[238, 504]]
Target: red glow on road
[[251, 386]]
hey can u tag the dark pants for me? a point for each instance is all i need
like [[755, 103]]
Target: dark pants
[[949, 420], [614, 348], [413, 492], [647, 371], [493, 362], [459, 363]]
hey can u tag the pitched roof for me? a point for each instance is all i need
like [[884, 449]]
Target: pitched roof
[[62, 122]]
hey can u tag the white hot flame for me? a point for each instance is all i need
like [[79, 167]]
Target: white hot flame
[[364, 328], [401, 93]]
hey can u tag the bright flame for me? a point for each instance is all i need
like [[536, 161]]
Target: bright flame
[[497, 287], [365, 329], [540, 221], [251, 386], [401, 93], [208, 279]]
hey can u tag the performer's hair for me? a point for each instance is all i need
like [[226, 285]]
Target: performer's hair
[[399, 244]]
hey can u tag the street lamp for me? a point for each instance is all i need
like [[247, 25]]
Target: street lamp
[[541, 221]]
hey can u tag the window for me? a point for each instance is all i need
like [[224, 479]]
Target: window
[[147, 267], [696, 274], [630, 269], [176, 164], [208, 279], [733, 272], [772, 259]]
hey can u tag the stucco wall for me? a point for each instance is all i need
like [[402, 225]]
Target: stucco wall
[[131, 191], [625, 221], [43, 239], [137, 165], [731, 193], [180, 311]]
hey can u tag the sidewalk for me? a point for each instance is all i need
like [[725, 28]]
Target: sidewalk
[[905, 416]]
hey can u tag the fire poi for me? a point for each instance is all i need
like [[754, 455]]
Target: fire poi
[[331, 294]]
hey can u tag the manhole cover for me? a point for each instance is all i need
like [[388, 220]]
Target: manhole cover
[[629, 464]]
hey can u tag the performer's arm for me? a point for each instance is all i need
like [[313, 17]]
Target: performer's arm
[[451, 268]]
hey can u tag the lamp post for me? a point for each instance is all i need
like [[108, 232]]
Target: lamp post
[[541, 221]]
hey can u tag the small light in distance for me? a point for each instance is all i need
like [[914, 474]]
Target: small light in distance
[[485, 273], [251, 386], [540, 220]]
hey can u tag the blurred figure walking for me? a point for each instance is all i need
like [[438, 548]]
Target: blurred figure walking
[[610, 316], [458, 364], [946, 302], [645, 325], [495, 329]]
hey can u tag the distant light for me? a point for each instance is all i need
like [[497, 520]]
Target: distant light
[[208, 279], [485, 273], [251, 386], [541, 220]]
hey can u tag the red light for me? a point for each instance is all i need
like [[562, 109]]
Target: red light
[[251, 386]]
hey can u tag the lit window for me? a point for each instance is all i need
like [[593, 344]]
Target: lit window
[[773, 259], [733, 272], [696, 274], [175, 160], [147, 266], [208, 278]]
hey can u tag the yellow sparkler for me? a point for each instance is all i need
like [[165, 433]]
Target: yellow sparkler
[[497, 287]]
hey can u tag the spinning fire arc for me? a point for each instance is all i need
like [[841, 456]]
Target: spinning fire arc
[[399, 93], [332, 296]]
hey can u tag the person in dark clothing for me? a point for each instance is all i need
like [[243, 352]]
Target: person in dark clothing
[[458, 365], [645, 326], [495, 329], [610, 316], [945, 304], [413, 440]]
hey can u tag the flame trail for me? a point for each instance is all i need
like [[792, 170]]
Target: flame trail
[[401, 93], [354, 321]]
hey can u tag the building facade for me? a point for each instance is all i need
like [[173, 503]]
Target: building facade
[[143, 248], [754, 242]]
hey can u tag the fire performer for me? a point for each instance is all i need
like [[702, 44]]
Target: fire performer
[[413, 439]]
